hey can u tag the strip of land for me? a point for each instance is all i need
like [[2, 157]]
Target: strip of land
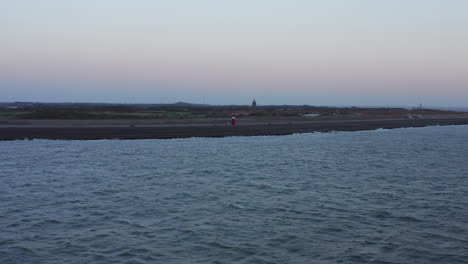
[[218, 127]]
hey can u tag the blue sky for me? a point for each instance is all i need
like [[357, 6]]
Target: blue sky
[[351, 52]]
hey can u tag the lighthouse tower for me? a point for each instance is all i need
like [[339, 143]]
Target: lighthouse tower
[[254, 105]]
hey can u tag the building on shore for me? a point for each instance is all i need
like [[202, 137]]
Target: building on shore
[[254, 105]]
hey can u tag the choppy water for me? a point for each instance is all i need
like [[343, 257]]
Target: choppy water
[[386, 196]]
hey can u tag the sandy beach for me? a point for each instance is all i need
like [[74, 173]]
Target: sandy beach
[[165, 129]]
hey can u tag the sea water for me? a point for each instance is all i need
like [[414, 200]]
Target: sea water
[[384, 196]]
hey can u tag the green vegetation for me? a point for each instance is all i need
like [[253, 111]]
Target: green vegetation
[[190, 111]]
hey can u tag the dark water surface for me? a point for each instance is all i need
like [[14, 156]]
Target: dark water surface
[[385, 196]]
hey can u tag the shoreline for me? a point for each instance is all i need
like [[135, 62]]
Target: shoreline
[[126, 129]]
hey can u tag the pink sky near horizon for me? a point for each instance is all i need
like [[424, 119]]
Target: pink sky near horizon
[[210, 51]]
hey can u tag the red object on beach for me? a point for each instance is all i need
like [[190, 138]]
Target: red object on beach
[[233, 120]]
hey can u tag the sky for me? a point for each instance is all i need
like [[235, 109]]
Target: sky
[[316, 52]]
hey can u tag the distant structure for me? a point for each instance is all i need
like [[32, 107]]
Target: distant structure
[[254, 105], [233, 120]]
